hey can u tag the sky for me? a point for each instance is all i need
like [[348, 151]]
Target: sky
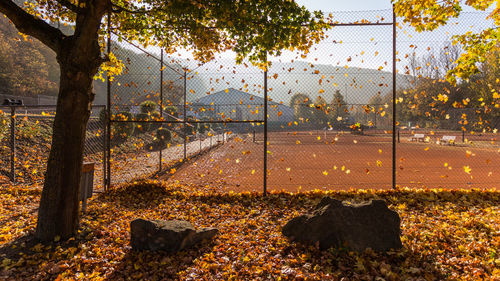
[[351, 49], [343, 5], [369, 40], [352, 5], [364, 47]]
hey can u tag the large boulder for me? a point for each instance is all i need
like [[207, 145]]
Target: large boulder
[[359, 226], [170, 236]]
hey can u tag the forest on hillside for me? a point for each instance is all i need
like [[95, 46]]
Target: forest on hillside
[[425, 98], [27, 67]]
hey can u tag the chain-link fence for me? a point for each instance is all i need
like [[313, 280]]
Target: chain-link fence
[[156, 122], [26, 137], [448, 133], [329, 116], [322, 121]]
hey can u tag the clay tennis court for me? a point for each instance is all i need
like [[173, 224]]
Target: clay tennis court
[[336, 160]]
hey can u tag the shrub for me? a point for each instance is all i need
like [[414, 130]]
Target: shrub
[[4, 125], [28, 129], [188, 130], [148, 106], [125, 129], [171, 111], [102, 116], [163, 135], [155, 116], [203, 127], [142, 127]]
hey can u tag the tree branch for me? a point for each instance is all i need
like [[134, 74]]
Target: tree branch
[[119, 9], [72, 7], [30, 25]]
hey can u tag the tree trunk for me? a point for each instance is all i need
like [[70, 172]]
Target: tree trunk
[[58, 215]]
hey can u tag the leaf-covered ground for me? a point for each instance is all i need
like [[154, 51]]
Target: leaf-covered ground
[[451, 235]]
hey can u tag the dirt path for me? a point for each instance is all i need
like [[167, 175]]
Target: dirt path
[[146, 163]]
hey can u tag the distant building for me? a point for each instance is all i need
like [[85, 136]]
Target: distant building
[[238, 105]]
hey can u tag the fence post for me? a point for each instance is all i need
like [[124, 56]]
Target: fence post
[[393, 98], [463, 136], [161, 104], [265, 133], [12, 144], [253, 135], [108, 113], [184, 114], [104, 146]]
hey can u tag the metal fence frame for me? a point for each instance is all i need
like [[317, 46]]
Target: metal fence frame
[[12, 134], [264, 121], [183, 74]]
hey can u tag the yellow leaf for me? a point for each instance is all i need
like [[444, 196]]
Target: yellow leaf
[[467, 169]]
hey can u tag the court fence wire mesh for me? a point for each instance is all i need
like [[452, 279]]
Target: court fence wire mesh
[[26, 138], [368, 107]]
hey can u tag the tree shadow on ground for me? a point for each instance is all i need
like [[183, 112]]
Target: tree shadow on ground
[[164, 265], [137, 196], [411, 262], [403, 264], [28, 258]]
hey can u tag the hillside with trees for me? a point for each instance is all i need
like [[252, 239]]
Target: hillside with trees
[[27, 67]]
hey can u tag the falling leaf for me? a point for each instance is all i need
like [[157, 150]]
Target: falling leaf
[[467, 169]]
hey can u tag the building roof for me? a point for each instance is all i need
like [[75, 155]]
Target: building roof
[[236, 97]]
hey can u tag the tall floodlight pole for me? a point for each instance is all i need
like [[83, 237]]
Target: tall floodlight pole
[[393, 99]]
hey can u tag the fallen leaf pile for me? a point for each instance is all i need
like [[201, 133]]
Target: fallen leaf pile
[[447, 234]]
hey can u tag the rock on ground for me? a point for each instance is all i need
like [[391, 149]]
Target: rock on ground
[[170, 236], [358, 226]]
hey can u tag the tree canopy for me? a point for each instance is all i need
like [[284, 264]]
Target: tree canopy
[[427, 15], [253, 29]]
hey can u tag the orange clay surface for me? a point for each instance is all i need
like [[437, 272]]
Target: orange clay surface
[[335, 160]]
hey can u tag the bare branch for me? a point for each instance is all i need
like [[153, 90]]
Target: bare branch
[[30, 25]]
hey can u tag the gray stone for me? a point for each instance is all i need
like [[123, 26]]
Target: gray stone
[[170, 236], [333, 223]]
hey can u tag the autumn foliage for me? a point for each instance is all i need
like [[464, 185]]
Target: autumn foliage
[[447, 234]]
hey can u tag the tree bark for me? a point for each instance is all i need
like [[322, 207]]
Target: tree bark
[[79, 60]]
